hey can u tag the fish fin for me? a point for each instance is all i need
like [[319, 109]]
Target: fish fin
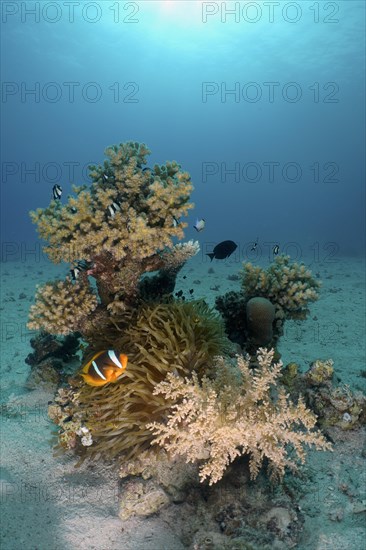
[[108, 372], [124, 360], [86, 366], [91, 382], [115, 375], [212, 255]]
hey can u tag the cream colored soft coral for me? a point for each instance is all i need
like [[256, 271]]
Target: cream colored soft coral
[[215, 423]]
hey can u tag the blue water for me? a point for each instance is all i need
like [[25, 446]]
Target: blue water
[[262, 103]]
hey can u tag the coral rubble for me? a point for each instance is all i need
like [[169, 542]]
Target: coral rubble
[[336, 406], [320, 372]]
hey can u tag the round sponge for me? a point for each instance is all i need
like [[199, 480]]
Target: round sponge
[[260, 317]]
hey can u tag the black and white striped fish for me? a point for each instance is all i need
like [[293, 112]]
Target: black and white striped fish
[[105, 366], [57, 192], [113, 208]]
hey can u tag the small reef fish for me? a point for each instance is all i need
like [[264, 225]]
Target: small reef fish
[[254, 247], [74, 272], [175, 222], [81, 265], [199, 225], [108, 178], [113, 208], [276, 249], [104, 367], [223, 250], [57, 192]]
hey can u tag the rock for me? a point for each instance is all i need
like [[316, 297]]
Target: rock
[[336, 515], [50, 359], [279, 516], [46, 345], [141, 499], [175, 476], [359, 507], [209, 541], [45, 374]]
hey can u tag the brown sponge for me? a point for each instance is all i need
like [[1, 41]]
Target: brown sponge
[[260, 317]]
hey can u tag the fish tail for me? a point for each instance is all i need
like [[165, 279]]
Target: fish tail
[[212, 255]]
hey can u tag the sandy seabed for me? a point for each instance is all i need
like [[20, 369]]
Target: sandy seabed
[[47, 504]]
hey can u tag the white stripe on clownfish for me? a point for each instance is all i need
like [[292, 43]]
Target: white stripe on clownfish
[[114, 358], [98, 371]]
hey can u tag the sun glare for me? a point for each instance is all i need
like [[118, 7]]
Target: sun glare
[[181, 12]]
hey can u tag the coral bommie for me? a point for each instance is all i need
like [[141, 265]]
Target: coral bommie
[[124, 225]]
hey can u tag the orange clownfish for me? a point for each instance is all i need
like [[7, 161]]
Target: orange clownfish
[[103, 367]]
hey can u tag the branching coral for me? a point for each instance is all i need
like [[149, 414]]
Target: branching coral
[[289, 287], [148, 201], [61, 306], [216, 423], [180, 254], [160, 287], [123, 224], [179, 337]]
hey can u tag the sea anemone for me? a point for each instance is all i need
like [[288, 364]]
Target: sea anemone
[[178, 338]]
